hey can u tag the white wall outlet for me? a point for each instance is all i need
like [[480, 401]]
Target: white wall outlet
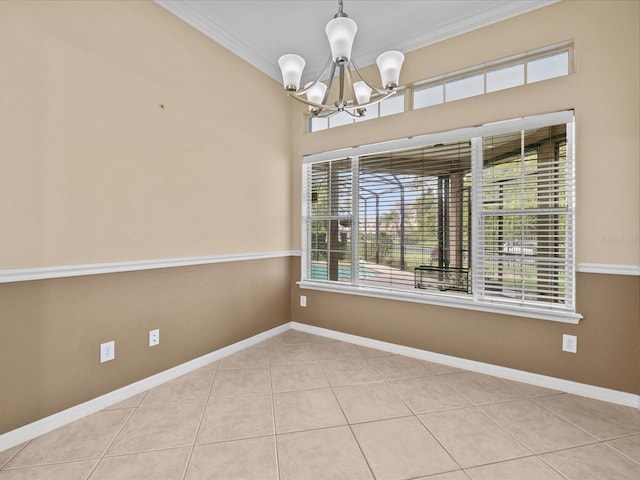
[[569, 343], [154, 337], [303, 300], [107, 351]]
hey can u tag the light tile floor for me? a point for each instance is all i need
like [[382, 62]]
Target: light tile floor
[[299, 406]]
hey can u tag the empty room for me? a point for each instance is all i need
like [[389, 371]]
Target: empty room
[[321, 239]]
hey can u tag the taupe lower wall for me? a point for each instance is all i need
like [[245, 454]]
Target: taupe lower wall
[[608, 336], [51, 329]]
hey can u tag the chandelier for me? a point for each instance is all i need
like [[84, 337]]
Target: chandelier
[[353, 98]]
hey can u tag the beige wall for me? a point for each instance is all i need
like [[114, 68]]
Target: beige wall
[[93, 169], [604, 92]]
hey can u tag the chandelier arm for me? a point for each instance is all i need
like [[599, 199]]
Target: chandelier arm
[[377, 100], [305, 90], [341, 104], [331, 77], [313, 104], [354, 115], [350, 83], [330, 110], [326, 113], [373, 87]]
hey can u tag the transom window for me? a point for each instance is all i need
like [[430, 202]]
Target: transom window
[[483, 215], [522, 69]]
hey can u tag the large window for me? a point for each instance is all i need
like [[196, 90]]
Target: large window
[[481, 216]]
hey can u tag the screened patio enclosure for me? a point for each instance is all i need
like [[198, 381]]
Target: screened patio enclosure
[[486, 213]]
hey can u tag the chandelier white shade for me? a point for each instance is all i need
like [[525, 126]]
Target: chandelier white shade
[[315, 92], [291, 66], [362, 91], [389, 64], [341, 32], [352, 98]]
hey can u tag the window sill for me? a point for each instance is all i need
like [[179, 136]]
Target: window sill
[[452, 301]]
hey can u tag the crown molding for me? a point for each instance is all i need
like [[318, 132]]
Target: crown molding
[[189, 13], [460, 26]]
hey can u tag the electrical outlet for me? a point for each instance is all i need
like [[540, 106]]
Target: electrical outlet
[[569, 343], [303, 300], [154, 337], [107, 351]]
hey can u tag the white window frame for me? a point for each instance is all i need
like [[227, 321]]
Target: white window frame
[[484, 70], [565, 314]]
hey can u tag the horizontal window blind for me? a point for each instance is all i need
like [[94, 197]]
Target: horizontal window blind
[[525, 227], [330, 199], [488, 217], [414, 213]]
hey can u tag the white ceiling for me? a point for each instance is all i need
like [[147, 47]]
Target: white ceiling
[[259, 31]]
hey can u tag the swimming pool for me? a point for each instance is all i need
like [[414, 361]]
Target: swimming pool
[[319, 272]]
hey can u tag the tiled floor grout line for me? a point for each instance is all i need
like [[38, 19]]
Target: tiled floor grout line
[[317, 350], [273, 411], [504, 429], [535, 400], [440, 443], [564, 449], [124, 424], [537, 456], [471, 404], [618, 451], [621, 453], [540, 457], [415, 415], [57, 462], [622, 437], [477, 405], [93, 470], [366, 460], [595, 440], [204, 410], [24, 445], [432, 434]]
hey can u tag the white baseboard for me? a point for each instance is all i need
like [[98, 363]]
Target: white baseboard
[[57, 420], [45, 425], [584, 390]]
